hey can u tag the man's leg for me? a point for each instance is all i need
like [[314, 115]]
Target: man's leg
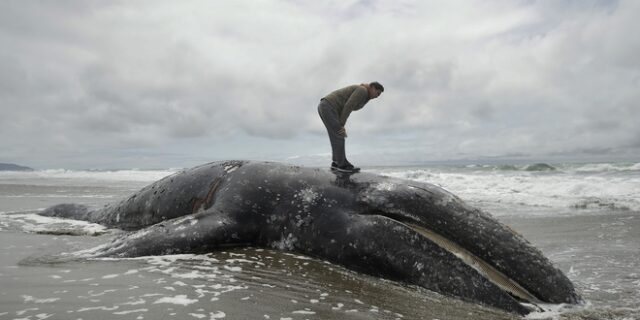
[[331, 122]]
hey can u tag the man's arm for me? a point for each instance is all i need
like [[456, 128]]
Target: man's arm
[[354, 102]]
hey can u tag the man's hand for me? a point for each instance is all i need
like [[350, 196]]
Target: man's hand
[[342, 132]]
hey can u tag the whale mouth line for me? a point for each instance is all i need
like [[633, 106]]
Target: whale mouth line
[[488, 271]]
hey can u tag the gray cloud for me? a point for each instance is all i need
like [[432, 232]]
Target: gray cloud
[[91, 83]]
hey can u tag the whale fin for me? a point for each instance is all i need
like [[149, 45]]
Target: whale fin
[[192, 233]]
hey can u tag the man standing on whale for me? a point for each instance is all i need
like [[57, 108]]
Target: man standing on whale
[[335, 108]]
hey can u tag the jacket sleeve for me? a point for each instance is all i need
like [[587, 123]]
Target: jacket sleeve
[[356, 100]]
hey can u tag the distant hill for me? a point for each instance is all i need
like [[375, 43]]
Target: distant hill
[[13, 167]]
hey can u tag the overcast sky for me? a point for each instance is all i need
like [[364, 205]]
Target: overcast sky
[[147, 84]]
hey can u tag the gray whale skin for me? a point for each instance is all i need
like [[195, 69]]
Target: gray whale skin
[[406, 231]]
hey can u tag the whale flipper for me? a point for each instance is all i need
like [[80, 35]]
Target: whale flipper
[[200, 232]]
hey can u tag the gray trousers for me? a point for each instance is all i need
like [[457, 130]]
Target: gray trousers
[[329, 117]]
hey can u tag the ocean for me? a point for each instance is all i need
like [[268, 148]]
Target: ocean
[[584, 216]]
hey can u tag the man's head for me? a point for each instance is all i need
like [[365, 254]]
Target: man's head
[[375, 89]]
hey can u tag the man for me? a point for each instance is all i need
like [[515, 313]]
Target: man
[[335, 108]]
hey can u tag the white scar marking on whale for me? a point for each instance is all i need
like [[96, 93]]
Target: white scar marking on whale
[[192, 220], [308, 196], [285, 243], [386, 186], [230, 168]]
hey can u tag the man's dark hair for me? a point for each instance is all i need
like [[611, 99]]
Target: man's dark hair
[[376, 85]]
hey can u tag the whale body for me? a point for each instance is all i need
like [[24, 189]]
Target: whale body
[[406, 231]]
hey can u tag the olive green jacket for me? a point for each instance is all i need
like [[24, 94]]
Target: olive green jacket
[[348, 99]]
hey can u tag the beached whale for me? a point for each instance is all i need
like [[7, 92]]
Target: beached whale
[[402, 230]]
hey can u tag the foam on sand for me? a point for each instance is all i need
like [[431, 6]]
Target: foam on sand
[[179, 299]]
